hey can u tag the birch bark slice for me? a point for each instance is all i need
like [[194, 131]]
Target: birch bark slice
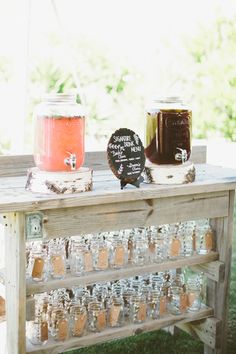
[[59, 182], [170, 174]]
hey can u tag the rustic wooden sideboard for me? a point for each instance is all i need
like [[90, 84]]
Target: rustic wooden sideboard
[[108, 208]]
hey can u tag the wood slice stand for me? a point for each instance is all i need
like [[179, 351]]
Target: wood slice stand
[[170, 174], [59, 182]]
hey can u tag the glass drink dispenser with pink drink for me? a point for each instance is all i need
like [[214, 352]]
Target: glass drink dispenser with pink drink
[[59, 133]]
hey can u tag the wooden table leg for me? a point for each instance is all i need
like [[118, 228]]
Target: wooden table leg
[[218, 292], [15, 283]]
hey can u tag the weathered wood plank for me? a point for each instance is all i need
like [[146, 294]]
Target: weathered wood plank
[[214, 270], [13, 196], [207, 330], [15, 165], [97, 160], [2, 283], [111, 275], [115, 216], [15, 283], [217, 293], [53, 347], [2, 276], [30, 302]]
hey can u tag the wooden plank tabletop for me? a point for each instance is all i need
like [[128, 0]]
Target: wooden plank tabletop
[[106, 189]]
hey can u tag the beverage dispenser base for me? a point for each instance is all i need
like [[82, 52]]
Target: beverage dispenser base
[[170, 174], [59, 182]]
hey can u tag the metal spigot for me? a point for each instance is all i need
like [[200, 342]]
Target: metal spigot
[[71, 161], [182, 155]]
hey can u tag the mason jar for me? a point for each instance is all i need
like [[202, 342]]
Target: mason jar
[[115, 311], [77, 258], [194, 290], [59, 324], [37, 330], [88, 259], [38, 265], [204, 237], [131, 246], [156, 280], [117, 288], [186, 235], [57, 256], [101, 292], [178, 297], [140, 251], [163, 302], [127, 294], [78, 320], [100, 253], [97, 317], [59, 133], [137, 283], [153, 304], [118, 251], [138, 308], [168, 131], [162, 243], [152, 243], [174, 241]]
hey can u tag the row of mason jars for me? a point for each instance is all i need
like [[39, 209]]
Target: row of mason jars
[[68, 313], [138, 246]]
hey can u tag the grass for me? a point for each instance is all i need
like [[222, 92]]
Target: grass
[[161, 342]]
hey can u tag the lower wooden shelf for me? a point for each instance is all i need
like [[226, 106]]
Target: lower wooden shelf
[[52, 347]]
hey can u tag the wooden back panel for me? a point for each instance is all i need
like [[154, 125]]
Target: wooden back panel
[[17, 165]]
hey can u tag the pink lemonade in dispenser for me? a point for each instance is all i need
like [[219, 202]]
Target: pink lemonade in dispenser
[[59, 134]]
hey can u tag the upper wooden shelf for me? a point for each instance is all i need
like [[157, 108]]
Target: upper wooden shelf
[[106, 188]]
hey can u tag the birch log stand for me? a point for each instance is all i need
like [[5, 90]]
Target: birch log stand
[[27, 216], [59, 182], [170, 174]]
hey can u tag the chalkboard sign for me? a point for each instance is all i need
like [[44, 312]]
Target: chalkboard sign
[[125, 153]]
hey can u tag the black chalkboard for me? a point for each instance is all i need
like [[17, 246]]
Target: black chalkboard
[[125, 153]]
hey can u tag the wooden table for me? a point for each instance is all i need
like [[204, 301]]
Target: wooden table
[[26, 216]]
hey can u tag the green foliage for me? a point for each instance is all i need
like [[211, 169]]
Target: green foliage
[[214, 81], [158, 342], [105, 84]]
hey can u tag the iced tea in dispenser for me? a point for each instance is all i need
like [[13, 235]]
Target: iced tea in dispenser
[[168, 131]]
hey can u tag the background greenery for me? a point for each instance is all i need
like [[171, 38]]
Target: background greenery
[[116, 89]]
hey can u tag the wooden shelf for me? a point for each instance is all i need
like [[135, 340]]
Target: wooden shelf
[[116, 333], [116, 274], [2, 283]]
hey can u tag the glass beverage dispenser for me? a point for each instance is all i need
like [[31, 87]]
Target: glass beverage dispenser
[[59, 133], [168, 131]]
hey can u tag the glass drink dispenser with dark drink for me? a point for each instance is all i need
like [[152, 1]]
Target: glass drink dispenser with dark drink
[[59, 133], [168, 131]]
